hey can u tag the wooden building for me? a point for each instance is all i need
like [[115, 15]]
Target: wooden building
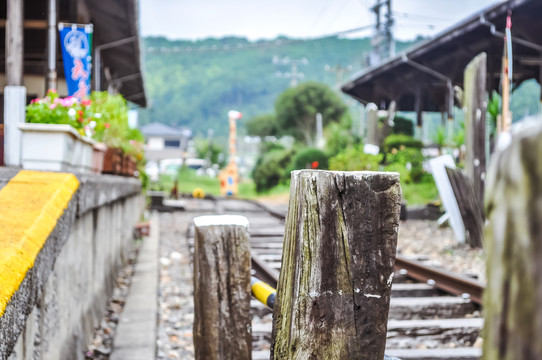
[[422, 78], [31, 55]]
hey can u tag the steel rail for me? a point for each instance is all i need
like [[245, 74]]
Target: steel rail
[[443, 280], [263, 271]]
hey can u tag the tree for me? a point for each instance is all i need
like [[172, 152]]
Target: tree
[[262, 125], [296, 109]]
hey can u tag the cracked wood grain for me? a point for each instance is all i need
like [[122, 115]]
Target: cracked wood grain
[[339, 252]]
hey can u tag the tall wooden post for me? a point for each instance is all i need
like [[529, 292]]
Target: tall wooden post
[[14, 92], [513, 317], [222, 322], [14, 43], [337, 266], [475, 123]]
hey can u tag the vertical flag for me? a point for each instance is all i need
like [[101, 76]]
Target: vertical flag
[[76, 44]]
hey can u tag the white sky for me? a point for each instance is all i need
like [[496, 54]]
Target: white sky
[[257, 19]]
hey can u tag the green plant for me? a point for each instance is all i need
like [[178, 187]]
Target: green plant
[[339, 135], [296, 109], [408, 163], [440, 138], [493, 109], [53, 109], [400, 141], [459, 136], [111, 114], [310, 158], [403, 126], [354, 159], [211, 152], [270, 169]]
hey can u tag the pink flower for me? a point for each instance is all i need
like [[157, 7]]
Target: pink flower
[[68, 101], [36, 100], [52, 106], [107, 125], [86, 102]]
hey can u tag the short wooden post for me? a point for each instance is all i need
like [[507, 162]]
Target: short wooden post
[[337, 266], [222, 323], [513, 317]]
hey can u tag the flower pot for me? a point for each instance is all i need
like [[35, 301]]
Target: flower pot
[[82, 155], [98, 155], [48, 147], [128, 165], [112, 161]]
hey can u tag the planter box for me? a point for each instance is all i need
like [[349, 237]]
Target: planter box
[[82, 157], [55, 147], [47, 146], [113, 161], [128, 165], [98, 155]]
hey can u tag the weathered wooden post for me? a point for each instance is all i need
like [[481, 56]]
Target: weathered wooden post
[[222, 322], [475, 103], [513, 317], [337, 266]]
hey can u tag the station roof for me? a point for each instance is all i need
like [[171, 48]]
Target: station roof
[[116, 20], [400, 78]]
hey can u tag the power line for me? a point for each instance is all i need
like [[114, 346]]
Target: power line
[[245, 46], [428, 17]]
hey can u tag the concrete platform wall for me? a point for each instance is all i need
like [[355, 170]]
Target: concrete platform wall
[[66, 292]]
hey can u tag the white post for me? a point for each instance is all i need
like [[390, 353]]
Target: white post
[[319, 132], [14, 114]]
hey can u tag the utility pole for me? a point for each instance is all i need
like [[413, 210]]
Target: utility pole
[[339, 72], [382, 41], [294, 74]]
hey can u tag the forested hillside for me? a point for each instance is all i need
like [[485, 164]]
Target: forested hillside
[[194, 84]]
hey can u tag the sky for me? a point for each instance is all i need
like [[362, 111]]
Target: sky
[[257, 19]]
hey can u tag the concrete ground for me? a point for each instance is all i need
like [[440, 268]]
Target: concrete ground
[[136, 332]]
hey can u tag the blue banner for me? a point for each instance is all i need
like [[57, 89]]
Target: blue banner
[[76, 44]]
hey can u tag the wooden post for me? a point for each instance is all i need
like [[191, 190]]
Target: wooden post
[[337, 266], [469, 208], [222, 322], [475, 123], [513, 317], [372, 124], [14, 43]]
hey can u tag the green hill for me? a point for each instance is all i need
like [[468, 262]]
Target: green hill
[[195, 83]]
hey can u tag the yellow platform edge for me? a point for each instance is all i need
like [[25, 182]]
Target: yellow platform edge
[[30, 205]]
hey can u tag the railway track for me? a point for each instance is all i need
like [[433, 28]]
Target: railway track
[[433, 314]]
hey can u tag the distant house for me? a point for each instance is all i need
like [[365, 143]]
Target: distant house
[[163, 141]]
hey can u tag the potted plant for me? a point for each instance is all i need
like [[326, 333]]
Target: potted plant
[[111, 114], [53, 138], [124, 145]]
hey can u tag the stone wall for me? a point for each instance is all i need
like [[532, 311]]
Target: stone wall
[[63, 296]]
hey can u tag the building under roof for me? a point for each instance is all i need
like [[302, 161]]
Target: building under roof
[[422, 78], [115, 37]]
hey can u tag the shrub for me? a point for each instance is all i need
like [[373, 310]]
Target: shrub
[[400, 141], [408, 163], [310, 158], [403, 126], [354, 159], [269, 169]]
